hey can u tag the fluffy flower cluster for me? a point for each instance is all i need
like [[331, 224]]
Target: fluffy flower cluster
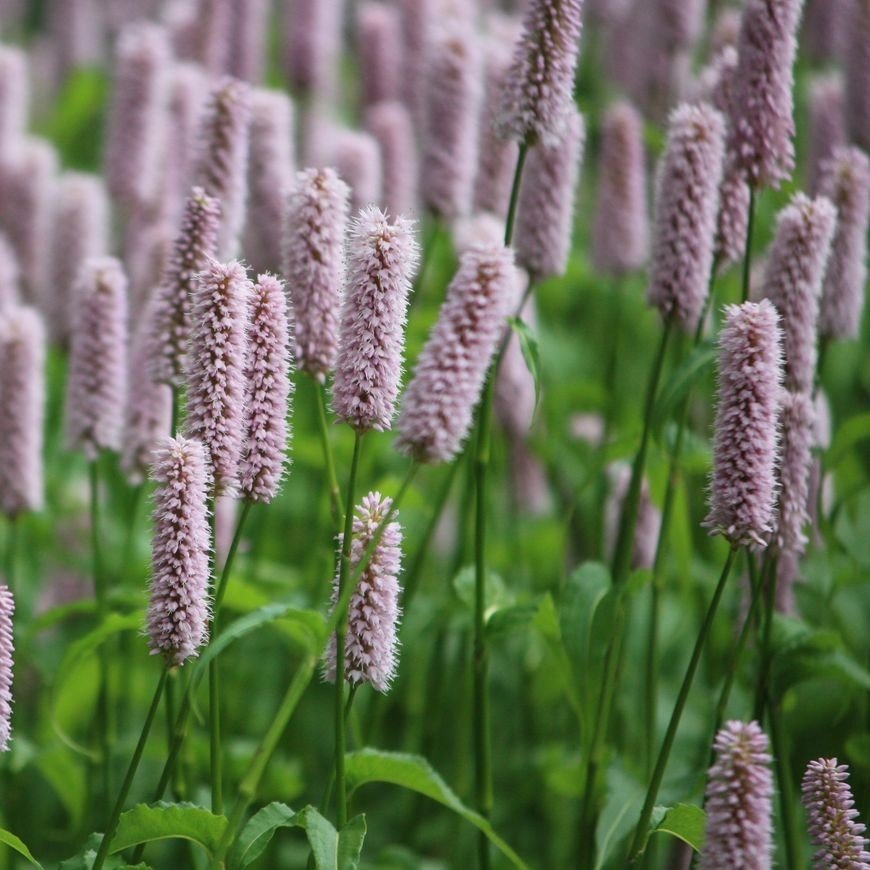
[[382, 261], [685, 213], [169, 310], [545, 210], [316, 219], [796, 428], [762, 124], [620, 241], [845, 180], [267, 392], [97, 381], [216, 368], [538, 92], [832, 818], [858, 74], [370, 652], [738, 800], [178, 610], [379, 46], [793, 281], [827, 127], [743, 485], [391, 125], [357, 157], [7, 648], [22, 407], [439, 402], [313, 42]]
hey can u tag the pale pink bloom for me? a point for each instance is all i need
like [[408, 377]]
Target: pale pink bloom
[[78, 31], [537, 103], [450, 136], [481, 228], [416, 18], [9, 273], [14, 98], [181, 19], [267, 392], [312, 45], [97, 380], [796, 437], [514, 397], [391, 125], [7, 648], [216, 368], [379, 51], [357, 159], [178, 609], [725, 31], [845, 180], [249, 50], [226, 510], [215, 27], [530, 488], [382, 261], [439, 402], [743, 483], [315, 223], [793, 282], [22, 409], [857, 63], [827, 124], [687, 203], [371, 643], [137, 113], [647, 525], [824, 29], [545, 209], [620, 241], [738, 801]]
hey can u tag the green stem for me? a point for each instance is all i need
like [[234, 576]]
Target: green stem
[[214, 699], [112, 826], [515, 194], [328, 460], [747, 251], [340, 633], [173, 425], [786, 789], [768, 580], [640, 833], [130, 537], [11, 551]]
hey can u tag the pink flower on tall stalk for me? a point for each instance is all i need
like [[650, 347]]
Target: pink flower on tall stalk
[[620, 240], [845, 180], [827, 124], [178, 609], [14, 98], [357, 159], [168, 312], [97, 380], [832, 818], [738, 801], [439, 402], [743, 484], [22, 408], [268, 389], [538, 95], [687, 203], [215, 25], [545, 208], [793, 281], [390, 124], [416, 18], [761, 137], [796, 438], [382, 261], [857, 62], [371, 645], [216, 368], [379, 50], [7, 649], [248, 47], [315, 223], [312, 45]]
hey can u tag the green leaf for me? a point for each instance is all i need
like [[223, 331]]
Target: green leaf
[[66, 774], [9, 839], [684, 821], [547, 622], [531, 353], [332, 850], [677, 387], [509, 619], [496, 593], [416, 774], [166, 821], [849, 433], [619, 813]]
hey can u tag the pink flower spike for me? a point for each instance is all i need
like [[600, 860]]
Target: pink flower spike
[[391, 125], [379, 48], [7, 649], [14, 98], [312, 45], [357, 159], [857, 63], [796, 437], [827, 125]]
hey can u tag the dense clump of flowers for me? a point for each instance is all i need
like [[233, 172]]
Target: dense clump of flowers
[[796, 440], [221, 167], [382, 261], [7, 648], [762, 123], [267, 391], [845, 180], [178, 609], [357, 159], [169, 310], [685, 213], [216, 368], [832, 818], [793, 281], [391, 126], [537, 100], [827, 126], [450, 136], [743, 486], [857, 57], [315, 223], [22, 401], [620, 241], [97, 380], [738, 801], [371, 645], [379, 47], [270, 176], [136, 121], [450, 372], [545, 209]]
